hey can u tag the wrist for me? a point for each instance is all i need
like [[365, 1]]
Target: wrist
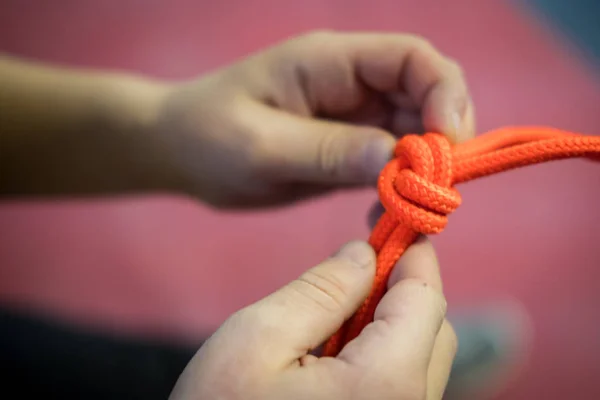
[[134, 108], [131, 104]]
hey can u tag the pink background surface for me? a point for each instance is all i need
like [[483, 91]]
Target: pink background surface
[[168, 266]]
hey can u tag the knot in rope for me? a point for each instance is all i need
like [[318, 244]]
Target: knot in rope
[[416, 186], [416, 189]]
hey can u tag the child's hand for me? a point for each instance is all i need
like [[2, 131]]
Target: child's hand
[[315, 113]]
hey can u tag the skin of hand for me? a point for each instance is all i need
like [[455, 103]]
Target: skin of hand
[[264, 350], [314, 113]]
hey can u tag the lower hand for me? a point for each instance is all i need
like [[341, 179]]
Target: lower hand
[[264, 350], [312, 114]]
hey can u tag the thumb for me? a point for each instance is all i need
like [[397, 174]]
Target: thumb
[[291, 322], [327, 152]]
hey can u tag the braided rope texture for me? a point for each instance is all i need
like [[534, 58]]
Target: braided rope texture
[[417, 191]]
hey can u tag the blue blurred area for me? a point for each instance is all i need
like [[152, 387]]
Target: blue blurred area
[[578, 20]]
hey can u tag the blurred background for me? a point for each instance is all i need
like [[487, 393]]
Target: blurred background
[[163, 269]]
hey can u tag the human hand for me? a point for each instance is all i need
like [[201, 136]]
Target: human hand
[[264, 351], [309, 115]]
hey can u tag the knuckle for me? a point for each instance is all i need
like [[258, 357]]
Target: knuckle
[[419, 43], [308, 41], [433, 296], [264, 156], [442, 304], [330, 154], [424, 44], [422, 47], [318, 35], [322, 42], [242, 317], [340, 154], [325, 290], [380, 329], [454, 69], [450, 337], [253, 321], [245, 320]]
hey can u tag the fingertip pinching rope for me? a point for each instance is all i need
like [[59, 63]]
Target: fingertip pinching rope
[[417, 191]]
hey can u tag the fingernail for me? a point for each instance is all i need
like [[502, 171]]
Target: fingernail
[[377, 154], [359, 253], [456, 123]]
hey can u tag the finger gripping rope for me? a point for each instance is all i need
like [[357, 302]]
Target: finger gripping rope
[[417, 192]]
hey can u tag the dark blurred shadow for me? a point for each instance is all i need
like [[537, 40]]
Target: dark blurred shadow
[[41, 357]]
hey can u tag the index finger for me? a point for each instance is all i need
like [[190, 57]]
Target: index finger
[[420, 262], [407, 320], [401, 63], [434, 82]]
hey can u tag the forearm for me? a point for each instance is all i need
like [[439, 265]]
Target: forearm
[[78, 132]]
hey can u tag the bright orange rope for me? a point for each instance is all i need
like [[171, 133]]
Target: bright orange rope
[[416, 189]]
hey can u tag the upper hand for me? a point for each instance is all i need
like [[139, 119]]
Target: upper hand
[[263, 351], [314, 113]]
